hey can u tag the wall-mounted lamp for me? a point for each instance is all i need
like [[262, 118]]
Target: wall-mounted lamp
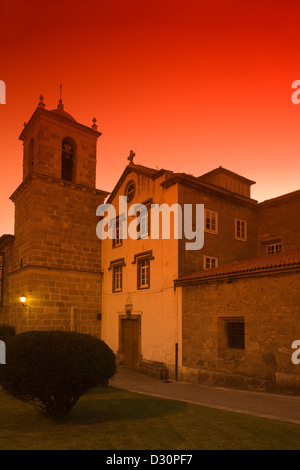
[[23, 301]]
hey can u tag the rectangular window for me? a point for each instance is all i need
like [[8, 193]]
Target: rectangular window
[[235, 334], [117, 278], [240, 229], [117, 239], [211, 221], [144, 219], [142, 261], [143, 273], [144, 224], [1, 277], [210, 262], [116, 267], [274, 248]]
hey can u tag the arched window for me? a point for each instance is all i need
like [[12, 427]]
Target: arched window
[[68, 159], [130, 190], [31, 154]]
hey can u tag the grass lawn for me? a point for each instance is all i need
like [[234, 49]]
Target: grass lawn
[[112, 419]]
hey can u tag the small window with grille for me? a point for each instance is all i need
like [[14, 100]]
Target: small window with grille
[[210, 262], [274, 248], [235, 334]]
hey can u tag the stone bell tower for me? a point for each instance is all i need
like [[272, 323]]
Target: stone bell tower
[[55, 256]]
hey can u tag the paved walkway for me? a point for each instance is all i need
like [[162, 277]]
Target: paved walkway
[[279, 407]]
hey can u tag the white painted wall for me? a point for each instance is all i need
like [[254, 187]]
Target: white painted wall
[[157, 305]]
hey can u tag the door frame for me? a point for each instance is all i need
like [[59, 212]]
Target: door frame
[[121, 351]]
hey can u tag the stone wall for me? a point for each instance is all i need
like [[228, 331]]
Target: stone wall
[[57, 300], [56, 225], [222, 245], [270, 307], [55, 258], [279, 219]]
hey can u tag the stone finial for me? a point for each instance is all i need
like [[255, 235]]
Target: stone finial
[[41, 103], [131, 157], [60, 106], [94, 126]]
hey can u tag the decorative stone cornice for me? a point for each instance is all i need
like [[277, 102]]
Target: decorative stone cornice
[[56, 181]]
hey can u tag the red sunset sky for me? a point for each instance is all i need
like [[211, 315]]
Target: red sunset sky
[[189, 85]]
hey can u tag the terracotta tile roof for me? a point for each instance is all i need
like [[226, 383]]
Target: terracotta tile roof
[[286, 259]]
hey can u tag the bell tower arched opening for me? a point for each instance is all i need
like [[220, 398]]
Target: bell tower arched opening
[[68, 159]]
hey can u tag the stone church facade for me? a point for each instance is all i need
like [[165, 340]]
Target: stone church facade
[[54, 256], [224, 314]]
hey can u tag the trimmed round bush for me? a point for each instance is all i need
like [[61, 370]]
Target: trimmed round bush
[[53, 369], [6, 332]]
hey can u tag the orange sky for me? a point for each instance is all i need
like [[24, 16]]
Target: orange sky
[[189, 85]]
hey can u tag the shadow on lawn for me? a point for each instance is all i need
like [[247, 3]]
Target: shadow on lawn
[[110, 404]]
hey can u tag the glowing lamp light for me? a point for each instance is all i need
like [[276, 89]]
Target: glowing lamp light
[[23, 299]]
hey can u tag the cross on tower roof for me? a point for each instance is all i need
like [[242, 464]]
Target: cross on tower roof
[[60, 105], [131, 157]]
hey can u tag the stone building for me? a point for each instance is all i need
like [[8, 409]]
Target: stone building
[[54, 256], [158, 326], [239, 322], [224, 313]]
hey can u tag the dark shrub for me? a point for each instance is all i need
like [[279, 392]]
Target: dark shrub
[[53, 369], [6, 332]]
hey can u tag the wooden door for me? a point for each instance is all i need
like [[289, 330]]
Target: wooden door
[[130, 335]]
